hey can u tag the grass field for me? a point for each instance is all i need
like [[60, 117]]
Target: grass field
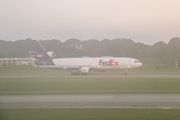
[[14, 86], [89, 114], [29, 81]]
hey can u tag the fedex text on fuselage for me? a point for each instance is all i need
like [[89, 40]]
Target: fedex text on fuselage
[[110, 62]]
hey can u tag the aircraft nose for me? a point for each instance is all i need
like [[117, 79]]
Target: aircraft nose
[[137, 63], [140, 64]]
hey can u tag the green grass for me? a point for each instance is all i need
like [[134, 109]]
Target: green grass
[[89, 114], [28, 71], [29, 80], [85, 85]]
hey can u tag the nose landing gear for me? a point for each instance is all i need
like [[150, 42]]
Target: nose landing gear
[[125, 72]]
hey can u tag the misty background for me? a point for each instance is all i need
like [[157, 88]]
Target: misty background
[[146, 30], [146, 21], [159, 52]]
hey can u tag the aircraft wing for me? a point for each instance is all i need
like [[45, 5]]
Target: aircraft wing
[[65, 66]]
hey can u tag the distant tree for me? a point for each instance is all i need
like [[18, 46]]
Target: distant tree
[[174, 48], [158, 52]]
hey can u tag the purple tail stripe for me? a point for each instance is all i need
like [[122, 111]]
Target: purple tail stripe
[[41, 51]]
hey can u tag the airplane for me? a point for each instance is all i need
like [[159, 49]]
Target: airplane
[[78, 66]]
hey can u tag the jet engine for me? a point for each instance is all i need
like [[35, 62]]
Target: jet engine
[[51, 54], [85, 70]]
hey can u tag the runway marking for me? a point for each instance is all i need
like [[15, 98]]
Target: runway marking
[[166, 108], [158, 101]]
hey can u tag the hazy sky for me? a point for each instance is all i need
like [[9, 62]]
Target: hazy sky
[[146, 21]]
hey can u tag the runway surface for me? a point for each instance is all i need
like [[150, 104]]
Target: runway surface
[[164, 101], [91, 76]]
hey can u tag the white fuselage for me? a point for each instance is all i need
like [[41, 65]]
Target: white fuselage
[[100, 63]]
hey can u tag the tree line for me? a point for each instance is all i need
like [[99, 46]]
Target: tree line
[[158, 52]]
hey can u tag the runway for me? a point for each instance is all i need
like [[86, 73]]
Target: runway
[[91, 76], [160, 101]]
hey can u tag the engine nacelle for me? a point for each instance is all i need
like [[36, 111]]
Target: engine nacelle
[[84, 70], [51, 54]]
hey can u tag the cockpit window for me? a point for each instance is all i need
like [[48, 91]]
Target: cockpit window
[[136, 61]]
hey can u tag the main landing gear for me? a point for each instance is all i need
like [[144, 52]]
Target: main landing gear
[[78, 73], [75, 73]]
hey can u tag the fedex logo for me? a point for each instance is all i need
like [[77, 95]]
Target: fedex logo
[[37, 55], [40, 55], [111, 62]]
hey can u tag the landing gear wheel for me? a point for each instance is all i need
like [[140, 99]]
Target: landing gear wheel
[[125, 72], [75, 73]]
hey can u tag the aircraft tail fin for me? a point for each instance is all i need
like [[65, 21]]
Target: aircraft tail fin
[[39, 47], [41, 55]]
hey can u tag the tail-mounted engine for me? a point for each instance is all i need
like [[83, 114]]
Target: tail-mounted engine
[[51, 54]]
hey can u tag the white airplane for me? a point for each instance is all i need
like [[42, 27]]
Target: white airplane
[[82, 65]]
